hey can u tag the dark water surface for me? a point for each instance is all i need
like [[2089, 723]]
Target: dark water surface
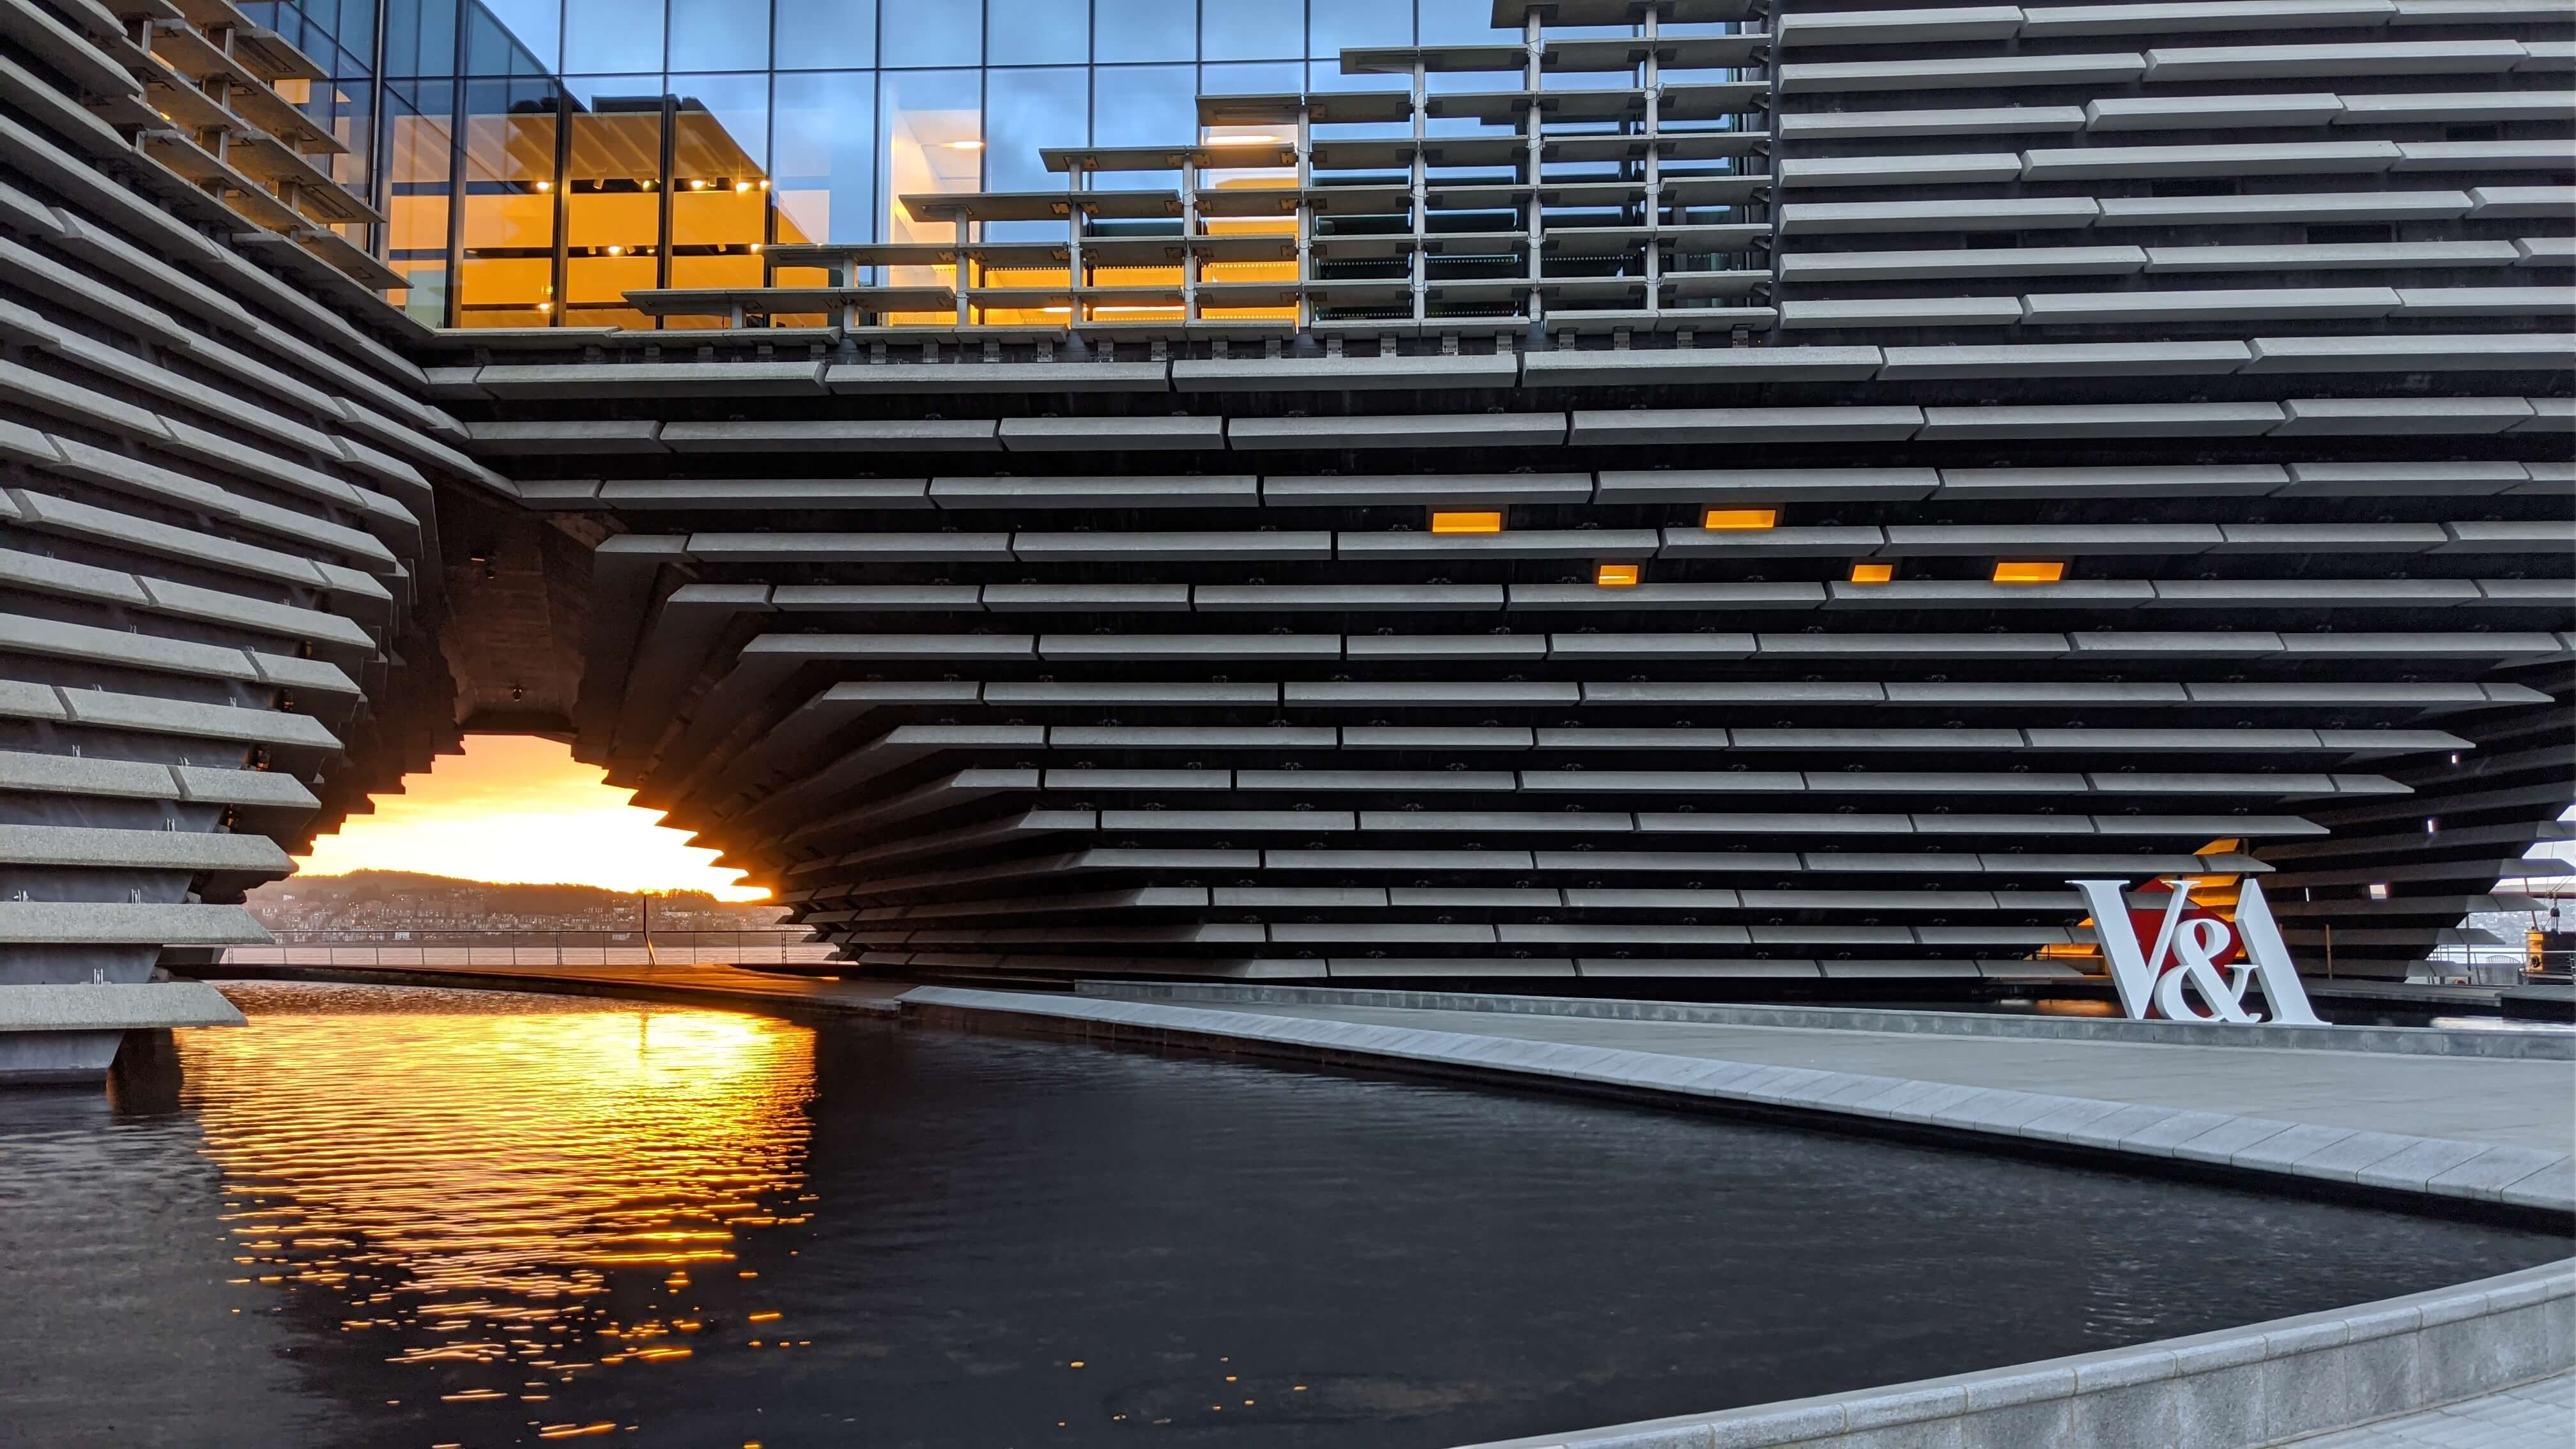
[[397, 1216]]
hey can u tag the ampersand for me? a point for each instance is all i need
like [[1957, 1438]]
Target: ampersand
[[2197, 943]]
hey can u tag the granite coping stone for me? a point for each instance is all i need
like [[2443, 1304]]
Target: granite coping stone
[[2289, 1147], [2404, 1041], [2418, 1164], [2343, 1161], [2515, 1176], [2489, 1173]]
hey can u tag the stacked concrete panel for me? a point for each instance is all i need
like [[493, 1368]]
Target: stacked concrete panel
[[217, 538], [1737, 685], [1669, 531]]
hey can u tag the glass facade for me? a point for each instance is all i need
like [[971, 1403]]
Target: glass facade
[[539, 158]]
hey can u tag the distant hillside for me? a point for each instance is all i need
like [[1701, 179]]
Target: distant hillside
[[373, 896]]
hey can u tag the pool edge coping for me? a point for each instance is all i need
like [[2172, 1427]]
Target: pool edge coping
[[2372, 1040]]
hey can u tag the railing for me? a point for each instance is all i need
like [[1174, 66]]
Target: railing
[[532, 948]]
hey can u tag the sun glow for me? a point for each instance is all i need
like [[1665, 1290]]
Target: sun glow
[[519, 809]]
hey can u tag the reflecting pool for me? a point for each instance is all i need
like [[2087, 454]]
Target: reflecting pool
[[410, 1216]]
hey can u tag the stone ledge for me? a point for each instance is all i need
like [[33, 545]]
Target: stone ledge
[[113, 1006], [2401, 1041], [2258, 1384]]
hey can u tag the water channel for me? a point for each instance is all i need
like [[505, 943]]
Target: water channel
[[417, 1217]]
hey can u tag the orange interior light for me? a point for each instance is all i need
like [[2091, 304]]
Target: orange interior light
[[2029, 572], [1872, 573], [1616, 575], [1467, 522], [1738, 518]]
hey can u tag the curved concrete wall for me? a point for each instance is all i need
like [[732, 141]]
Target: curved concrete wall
[[2259, 1384]]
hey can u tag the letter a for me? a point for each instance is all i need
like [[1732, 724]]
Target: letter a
[[2271, 957]]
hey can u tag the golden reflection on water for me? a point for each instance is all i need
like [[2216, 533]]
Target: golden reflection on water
[[471, 1175]]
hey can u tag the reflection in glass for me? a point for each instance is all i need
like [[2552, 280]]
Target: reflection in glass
[[1028, 109], [613, 36], [506, 277], [719, 35], [1249, 30], [612, 207], [1145, 105], [537, 25], [492, 51], [1273, 78], [826, 34], [719, 183], [934, 142], [826, 157], [1335, 24], [944, 32], [418, 152], [1458, 22], [1038, 32], [420, 37], [502, 1194], [1146, 30]]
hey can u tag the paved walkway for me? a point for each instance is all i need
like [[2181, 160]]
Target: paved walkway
[[2534, 1416], [2467, 1099]]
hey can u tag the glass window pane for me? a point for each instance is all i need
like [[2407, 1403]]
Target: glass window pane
[[1039, 32], [356, 33], [933, 127], [1146, 105], [1272, 79], [719, 35], [1340, 23], [613, 36], [418, 153], [826, 126], [420, 37], [942, 32], [536, 24], [1028, 109], [720, 186], [1249, 30], [612, 201], [826, 34], [493, 51], [506, 275], [1459, 22], [1146, 30]]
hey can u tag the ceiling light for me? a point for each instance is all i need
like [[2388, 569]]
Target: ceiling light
[[965, 145], [2029, 572], [1739, 518]]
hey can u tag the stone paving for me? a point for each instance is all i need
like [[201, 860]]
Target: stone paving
[[2510, 1103], [2530, 1416]]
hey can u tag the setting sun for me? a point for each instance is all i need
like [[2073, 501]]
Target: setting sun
[[520, 809]]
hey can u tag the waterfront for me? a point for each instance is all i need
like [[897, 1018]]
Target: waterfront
[[388, 1215]]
